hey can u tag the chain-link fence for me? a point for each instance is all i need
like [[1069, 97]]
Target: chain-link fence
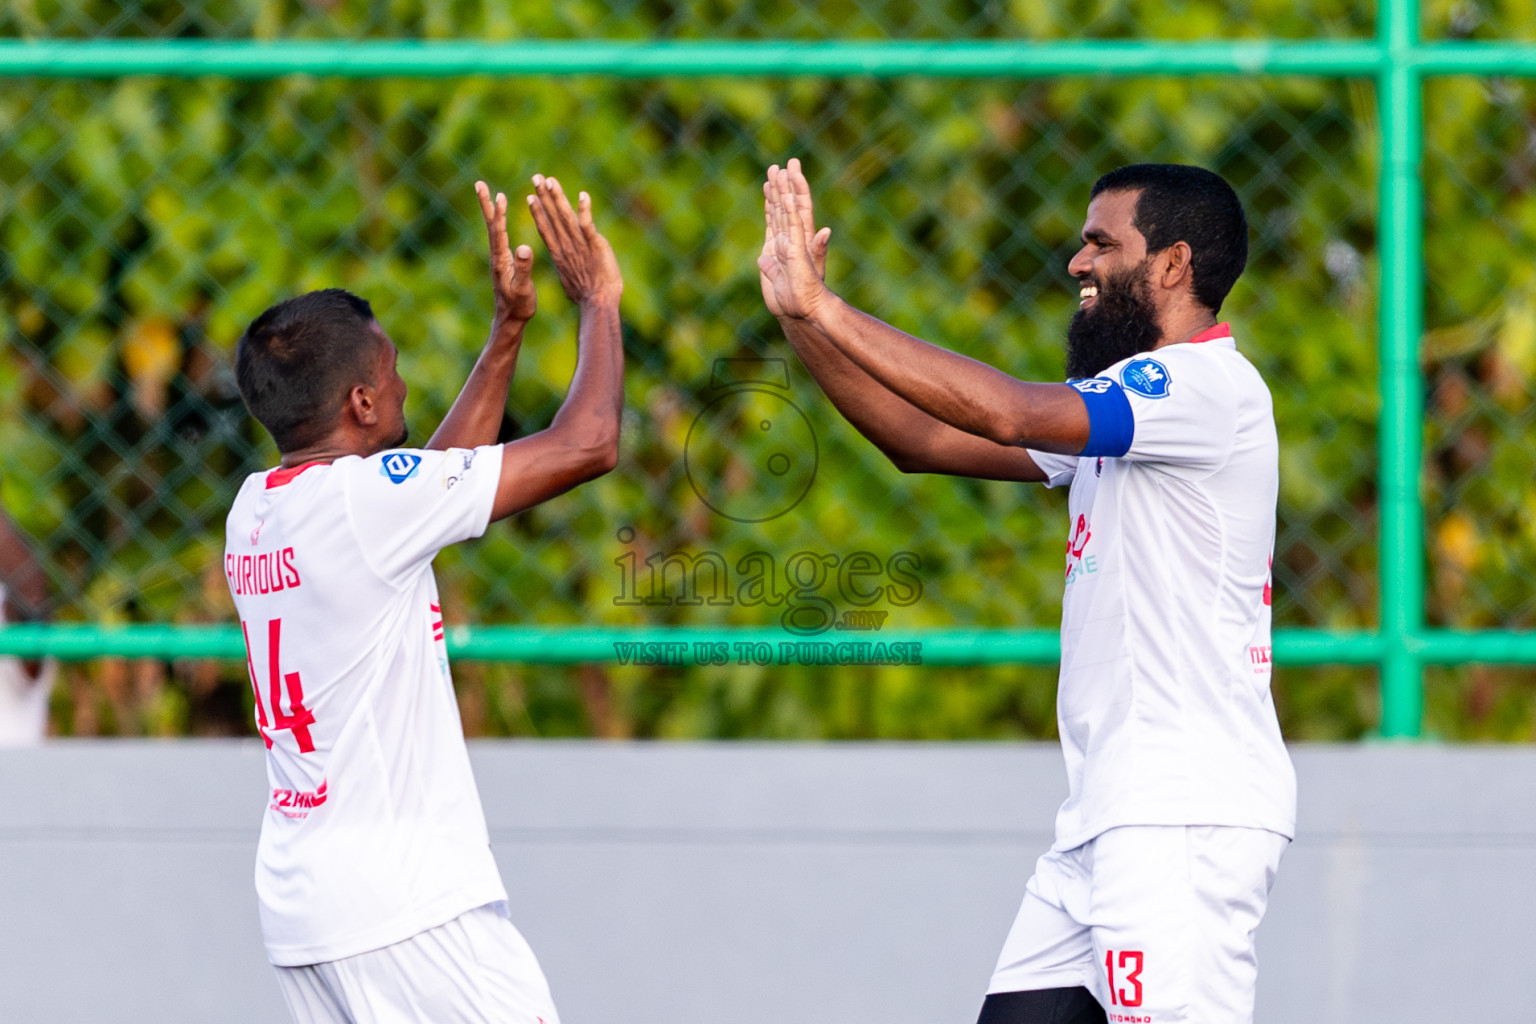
[[1479, 357], [145, 220]]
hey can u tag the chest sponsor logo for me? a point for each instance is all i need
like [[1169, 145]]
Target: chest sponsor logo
[[1093, 385], [1078, 562], [1260, 658], [400, 466], [1147, 377]]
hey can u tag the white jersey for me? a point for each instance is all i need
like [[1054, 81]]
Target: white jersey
[[373, 830], [1163, 702], [23, 696]]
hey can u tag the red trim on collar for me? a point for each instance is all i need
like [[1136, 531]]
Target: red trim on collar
[[279, 477], [1222, 330]]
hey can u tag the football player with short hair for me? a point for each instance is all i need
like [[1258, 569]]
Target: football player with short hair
[[380, 899], [1181, 794]]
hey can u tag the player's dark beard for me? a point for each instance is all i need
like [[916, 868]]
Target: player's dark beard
[[405, 435], [1120, 323]]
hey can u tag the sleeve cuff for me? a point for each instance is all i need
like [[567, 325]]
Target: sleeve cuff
[[1111, 424], [490, 474]]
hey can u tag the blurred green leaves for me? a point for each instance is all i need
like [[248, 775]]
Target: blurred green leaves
[[143, 222]]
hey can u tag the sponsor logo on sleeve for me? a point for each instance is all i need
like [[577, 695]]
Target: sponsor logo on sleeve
[[399, 466], [1092, 385], [1147, 377], [451, 478]]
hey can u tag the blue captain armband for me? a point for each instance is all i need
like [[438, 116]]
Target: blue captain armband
[[1111, 425]]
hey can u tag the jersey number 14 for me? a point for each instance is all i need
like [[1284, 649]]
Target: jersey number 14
[[299, 718]]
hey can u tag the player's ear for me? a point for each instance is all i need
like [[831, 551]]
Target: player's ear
[[1175, 266], [362, 405]]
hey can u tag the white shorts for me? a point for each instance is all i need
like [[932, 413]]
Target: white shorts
[[476, 969], [1156, 921]]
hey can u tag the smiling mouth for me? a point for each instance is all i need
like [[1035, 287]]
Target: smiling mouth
[[1086, 294]]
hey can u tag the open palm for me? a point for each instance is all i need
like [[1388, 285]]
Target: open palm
[[793, 264], [511, 272]]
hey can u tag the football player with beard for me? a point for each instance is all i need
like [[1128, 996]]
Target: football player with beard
[[1181, 793]]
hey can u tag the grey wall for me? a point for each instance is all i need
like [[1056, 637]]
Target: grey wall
[[745, 883]]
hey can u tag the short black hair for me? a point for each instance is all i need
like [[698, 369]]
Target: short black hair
[[296, 363], [1179, 203]]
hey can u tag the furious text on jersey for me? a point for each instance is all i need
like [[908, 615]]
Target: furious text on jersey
[[265, 572]]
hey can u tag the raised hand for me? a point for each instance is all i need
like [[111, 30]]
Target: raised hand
[[511, 273], [803, 205], [588, 271], [793, 265]]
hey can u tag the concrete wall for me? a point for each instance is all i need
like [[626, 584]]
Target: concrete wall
[[746, 883]]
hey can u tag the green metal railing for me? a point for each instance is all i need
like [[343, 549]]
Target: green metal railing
[[1396, 59]]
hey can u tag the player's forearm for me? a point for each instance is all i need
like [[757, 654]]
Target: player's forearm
[[582, 442], [885, 419], [476, 416], [594, 407], [962, 392]]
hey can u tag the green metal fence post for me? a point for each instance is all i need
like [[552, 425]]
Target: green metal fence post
[[1400, 434]]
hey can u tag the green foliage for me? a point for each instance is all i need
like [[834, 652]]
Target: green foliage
[[1480, 354], [145, 221], [695, 19]]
